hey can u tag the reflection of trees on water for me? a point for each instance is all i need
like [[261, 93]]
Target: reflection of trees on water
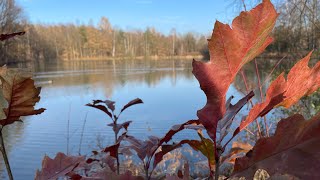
[[115, 73]]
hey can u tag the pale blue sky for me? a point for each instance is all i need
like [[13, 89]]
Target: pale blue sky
[[184, 15]]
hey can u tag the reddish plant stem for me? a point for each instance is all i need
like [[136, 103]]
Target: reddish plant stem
[[274, 67], [247, 89], [216, 173], [118, 163], [261, 96]]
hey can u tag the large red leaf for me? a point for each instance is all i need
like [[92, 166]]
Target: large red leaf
[[293, 150], [301, 81], [58, 167], [230, 48], [19, 91]]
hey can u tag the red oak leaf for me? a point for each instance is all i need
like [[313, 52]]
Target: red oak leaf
[[301, 81], [230, 48], [293, 150]]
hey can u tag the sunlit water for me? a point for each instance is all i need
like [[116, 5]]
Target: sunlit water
[[169, 90]]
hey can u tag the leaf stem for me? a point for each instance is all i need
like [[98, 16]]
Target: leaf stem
[[146, 170], [261, 96], [216, 173], [115, 142], [247, 89], [5, 157]]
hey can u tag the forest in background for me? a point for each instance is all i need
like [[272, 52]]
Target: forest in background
[[297, 31]]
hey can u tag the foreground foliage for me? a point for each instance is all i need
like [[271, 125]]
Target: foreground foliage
[[230, 48], [294, 150], [295, 143]]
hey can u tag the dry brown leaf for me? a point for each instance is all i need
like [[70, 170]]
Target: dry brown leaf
[[20, 93]]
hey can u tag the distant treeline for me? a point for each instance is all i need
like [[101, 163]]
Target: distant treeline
[[87, 41], [297, 30]]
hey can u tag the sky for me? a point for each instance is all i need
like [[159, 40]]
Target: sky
[[184, 15]]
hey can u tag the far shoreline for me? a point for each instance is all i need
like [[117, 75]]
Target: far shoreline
[[108, 58]]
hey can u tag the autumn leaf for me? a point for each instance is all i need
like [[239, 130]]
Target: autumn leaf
[[58, 167], [236, 150], [20, 93], [96, 104], [301, 81], [113, 150], [231, 111], [205, 146], [110, 104], [230, 48], [274, 95], [131, 103], [166, 148], [177, 128], [118, 127], [293, 150], [146, 148]]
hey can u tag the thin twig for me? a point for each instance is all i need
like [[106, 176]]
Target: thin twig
[[246, 128], [244, 5], [247, 89], [270, 125], [261, 96], [68, 127], [82, 131], [274, 67]]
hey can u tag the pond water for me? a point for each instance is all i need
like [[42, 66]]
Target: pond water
[[168, 88]]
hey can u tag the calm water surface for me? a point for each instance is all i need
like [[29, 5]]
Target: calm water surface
[[169, 90]]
